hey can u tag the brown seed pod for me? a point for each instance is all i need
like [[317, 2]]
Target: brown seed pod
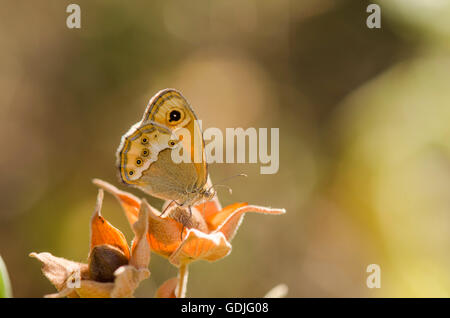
[[103, 262]]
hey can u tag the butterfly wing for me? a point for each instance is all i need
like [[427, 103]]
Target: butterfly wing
[[144, 155], [168, 180], [171, 109], [139, 148]]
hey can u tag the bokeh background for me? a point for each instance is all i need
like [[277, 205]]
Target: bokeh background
[[363, 114]]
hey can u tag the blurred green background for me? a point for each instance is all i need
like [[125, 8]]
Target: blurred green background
[[363, 114]]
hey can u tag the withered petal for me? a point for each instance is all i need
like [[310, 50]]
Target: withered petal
[[216, 219], [198, 245], [140, 250], [164, 234], [233, 216], [93, 289], [102, 232], [167, 289], [58, 269], [65, 292], [127, 280]]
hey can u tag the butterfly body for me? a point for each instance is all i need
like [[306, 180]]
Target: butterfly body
[[144, 156]]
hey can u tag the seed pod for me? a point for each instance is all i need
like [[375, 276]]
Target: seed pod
[[103, 262]]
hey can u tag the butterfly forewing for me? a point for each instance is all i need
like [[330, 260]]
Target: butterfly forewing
[[144, 155]]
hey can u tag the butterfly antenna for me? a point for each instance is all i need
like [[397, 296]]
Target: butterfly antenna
[[225, 186], [236, 175]]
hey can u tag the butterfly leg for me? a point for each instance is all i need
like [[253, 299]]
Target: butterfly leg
[[167, 207]]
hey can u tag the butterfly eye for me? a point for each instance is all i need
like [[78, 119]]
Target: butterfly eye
[[131, 172], [144, 140], [145, 152], [138, 162], [175, 116]]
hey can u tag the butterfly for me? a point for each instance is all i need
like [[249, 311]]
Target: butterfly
[[144, 157]]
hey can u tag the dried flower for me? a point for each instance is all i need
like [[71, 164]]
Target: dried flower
[[202, 233], [113, 270], [184, 237]]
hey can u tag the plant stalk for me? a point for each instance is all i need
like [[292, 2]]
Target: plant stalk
[[180, 291]]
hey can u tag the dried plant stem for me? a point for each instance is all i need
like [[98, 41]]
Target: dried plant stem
[[182, 281]]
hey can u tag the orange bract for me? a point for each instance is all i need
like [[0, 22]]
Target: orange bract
[[102, 232], [184, 242], [167, 289], [73, 279]]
